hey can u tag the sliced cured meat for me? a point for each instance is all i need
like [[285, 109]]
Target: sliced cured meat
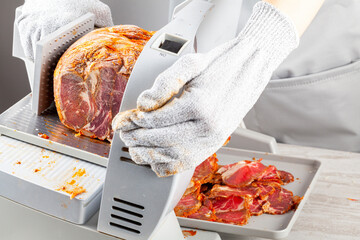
[[234, 217], [226, 191], [188, 205], [279, 202], [286, 177], [221, 204], [265, 189], [271, 174], [217, 179], [203, 173], [235, 192], [255, 206], [206, 170], [296, 201], [204, 213], [192, 187], [241, 173], [91, 76]]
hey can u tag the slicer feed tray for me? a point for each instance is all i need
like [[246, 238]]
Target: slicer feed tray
[[21, 123]]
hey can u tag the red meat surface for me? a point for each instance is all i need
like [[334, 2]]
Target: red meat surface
[[221, 204], [265, 189], [203, 173], [271, 174], [91, 76], [241, 173], [286, 177], [187, 205], [234, 217], [279, 202], [255, 206], [235, 192], [226, 191], [204, 213]]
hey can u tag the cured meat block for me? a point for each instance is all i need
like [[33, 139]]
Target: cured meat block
[[91, 76], [241, 173]]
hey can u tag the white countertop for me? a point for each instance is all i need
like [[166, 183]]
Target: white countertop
[[328, 213]]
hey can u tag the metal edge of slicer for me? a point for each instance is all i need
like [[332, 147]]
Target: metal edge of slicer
[[135, 201]]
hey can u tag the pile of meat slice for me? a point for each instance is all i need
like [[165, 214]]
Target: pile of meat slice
[[235, 192]]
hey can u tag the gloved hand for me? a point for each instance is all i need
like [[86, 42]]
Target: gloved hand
[[42, 17], [219, 88]]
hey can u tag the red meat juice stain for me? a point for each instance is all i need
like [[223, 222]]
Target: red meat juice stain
[[352, 199], [188, 233]]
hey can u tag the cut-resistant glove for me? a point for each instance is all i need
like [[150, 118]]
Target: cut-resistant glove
[[195, 105], [39, 18]]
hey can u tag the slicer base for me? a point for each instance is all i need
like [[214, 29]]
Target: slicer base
[[18, 222]]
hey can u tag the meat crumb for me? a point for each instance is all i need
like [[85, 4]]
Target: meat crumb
[[79, 173], [18, 162], [37, 170], [188, 233], [43, 135]]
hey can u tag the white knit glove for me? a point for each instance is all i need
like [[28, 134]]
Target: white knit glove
[[42, 17], [220, 87]]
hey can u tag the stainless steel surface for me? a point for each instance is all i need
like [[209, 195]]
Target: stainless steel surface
[[136, 188], [305, 171], [43, 180], [21, 123]]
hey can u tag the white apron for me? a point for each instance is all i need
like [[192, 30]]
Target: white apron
[[314, 96]]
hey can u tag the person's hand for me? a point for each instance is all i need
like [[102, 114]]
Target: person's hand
[[39, 18], [174, 132]]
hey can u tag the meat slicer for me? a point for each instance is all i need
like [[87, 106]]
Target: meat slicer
[[135, 203]]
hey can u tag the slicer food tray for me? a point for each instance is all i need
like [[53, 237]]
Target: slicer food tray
[[44, 180], [305, 171], [21, 123]]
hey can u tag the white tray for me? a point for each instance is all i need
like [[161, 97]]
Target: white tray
[[305, 171], [33, 176]]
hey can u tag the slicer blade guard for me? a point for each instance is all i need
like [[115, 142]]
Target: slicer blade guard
[[135, 201]]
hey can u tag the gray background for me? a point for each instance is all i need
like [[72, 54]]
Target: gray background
[[13, 82]]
